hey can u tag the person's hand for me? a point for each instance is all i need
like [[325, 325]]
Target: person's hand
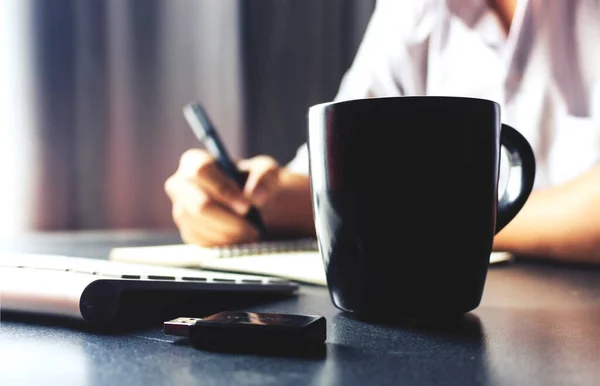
[[209, 208]]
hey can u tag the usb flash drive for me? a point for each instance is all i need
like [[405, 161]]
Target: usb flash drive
[[253, 332]]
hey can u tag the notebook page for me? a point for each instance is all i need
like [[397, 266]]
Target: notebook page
[[500, 257], [301, 266], [305, 267]]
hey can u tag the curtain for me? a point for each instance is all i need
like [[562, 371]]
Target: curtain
[[93, 89], [295, 55]]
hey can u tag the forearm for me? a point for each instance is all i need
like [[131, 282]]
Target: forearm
[[289, 213], [560, 223]]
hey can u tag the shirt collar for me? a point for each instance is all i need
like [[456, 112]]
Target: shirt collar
[[478, 16], [469, 11]]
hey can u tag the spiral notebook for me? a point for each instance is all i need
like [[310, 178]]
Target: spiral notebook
[[297, 260]]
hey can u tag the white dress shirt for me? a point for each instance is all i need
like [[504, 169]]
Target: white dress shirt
[[545, 74]]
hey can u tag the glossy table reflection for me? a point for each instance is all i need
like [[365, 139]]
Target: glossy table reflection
[[538, 324]]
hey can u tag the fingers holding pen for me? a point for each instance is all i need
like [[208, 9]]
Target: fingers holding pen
[[199, 168], [263, 178], [203, 220], [209, 205]]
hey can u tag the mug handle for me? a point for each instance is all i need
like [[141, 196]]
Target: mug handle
[[521, 175]]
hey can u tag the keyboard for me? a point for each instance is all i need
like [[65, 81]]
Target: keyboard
[[102, 292]]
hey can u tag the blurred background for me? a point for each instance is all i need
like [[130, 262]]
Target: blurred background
[[91, 93]]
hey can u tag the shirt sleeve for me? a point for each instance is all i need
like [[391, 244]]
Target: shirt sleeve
[[390, 60], [299, 164]]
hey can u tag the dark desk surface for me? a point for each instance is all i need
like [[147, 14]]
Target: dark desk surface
[[538, 324]]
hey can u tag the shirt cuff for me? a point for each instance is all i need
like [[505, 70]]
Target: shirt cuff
[[299, 164]]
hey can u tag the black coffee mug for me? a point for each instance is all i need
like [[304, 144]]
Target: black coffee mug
[[405, 200]]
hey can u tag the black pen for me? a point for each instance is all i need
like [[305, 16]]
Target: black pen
[[207, 134]]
